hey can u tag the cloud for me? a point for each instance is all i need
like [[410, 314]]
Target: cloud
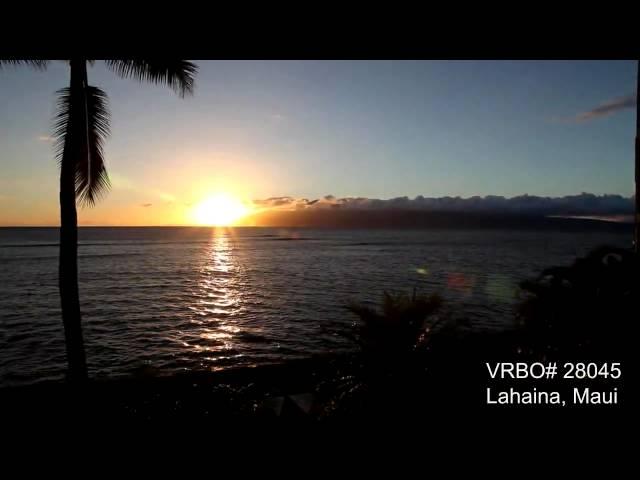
[[283, 203], [275, 202], [607, 108], [582, 204], [45, 138], [147, 204]]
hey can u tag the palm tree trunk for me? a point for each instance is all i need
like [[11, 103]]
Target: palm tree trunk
[[75, 147], [636, 237]]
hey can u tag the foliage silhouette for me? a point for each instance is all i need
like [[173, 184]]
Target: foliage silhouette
[[588, 307], [389, 339]]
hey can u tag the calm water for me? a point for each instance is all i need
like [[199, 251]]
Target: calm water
[[196, 298]]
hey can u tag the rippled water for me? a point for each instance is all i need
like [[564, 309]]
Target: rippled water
[[201, 298]]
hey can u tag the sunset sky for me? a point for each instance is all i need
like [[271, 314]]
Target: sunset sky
[[259, 129]]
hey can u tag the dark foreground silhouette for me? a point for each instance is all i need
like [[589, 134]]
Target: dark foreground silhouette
[[450, 388], [411, 368]]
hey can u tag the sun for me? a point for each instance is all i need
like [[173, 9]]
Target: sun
[[220, 210]]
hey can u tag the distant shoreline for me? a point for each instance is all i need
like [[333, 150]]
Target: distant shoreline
[[402, 220]]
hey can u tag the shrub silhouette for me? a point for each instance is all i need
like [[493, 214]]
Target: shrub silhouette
[[586, 307], [399, 329]]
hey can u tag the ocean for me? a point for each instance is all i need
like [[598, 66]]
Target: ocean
[[175, 299]]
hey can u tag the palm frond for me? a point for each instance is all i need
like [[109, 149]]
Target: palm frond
[[62, 123], [37, 64], [91, 179], [176, 74]]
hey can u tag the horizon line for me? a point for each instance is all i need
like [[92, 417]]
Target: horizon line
[[597, 218]]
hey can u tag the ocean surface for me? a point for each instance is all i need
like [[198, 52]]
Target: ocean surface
[[200, 298]]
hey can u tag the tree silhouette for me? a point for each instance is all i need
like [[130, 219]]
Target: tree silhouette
[[80, 129]]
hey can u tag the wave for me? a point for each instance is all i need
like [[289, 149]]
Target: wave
[[286, 239], [47, 257], [366, 244], [29, 245], [152, 242]]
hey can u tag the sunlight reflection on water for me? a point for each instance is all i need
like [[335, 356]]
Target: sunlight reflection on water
[[218, 298], [202, 298]]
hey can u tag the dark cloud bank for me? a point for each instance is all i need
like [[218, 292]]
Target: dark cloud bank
[[523, 210], [585, 203]]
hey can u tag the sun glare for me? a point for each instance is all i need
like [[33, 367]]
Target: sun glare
[[220, 210]]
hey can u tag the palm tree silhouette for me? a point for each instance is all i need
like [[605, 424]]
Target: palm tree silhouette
[[80, 129]]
